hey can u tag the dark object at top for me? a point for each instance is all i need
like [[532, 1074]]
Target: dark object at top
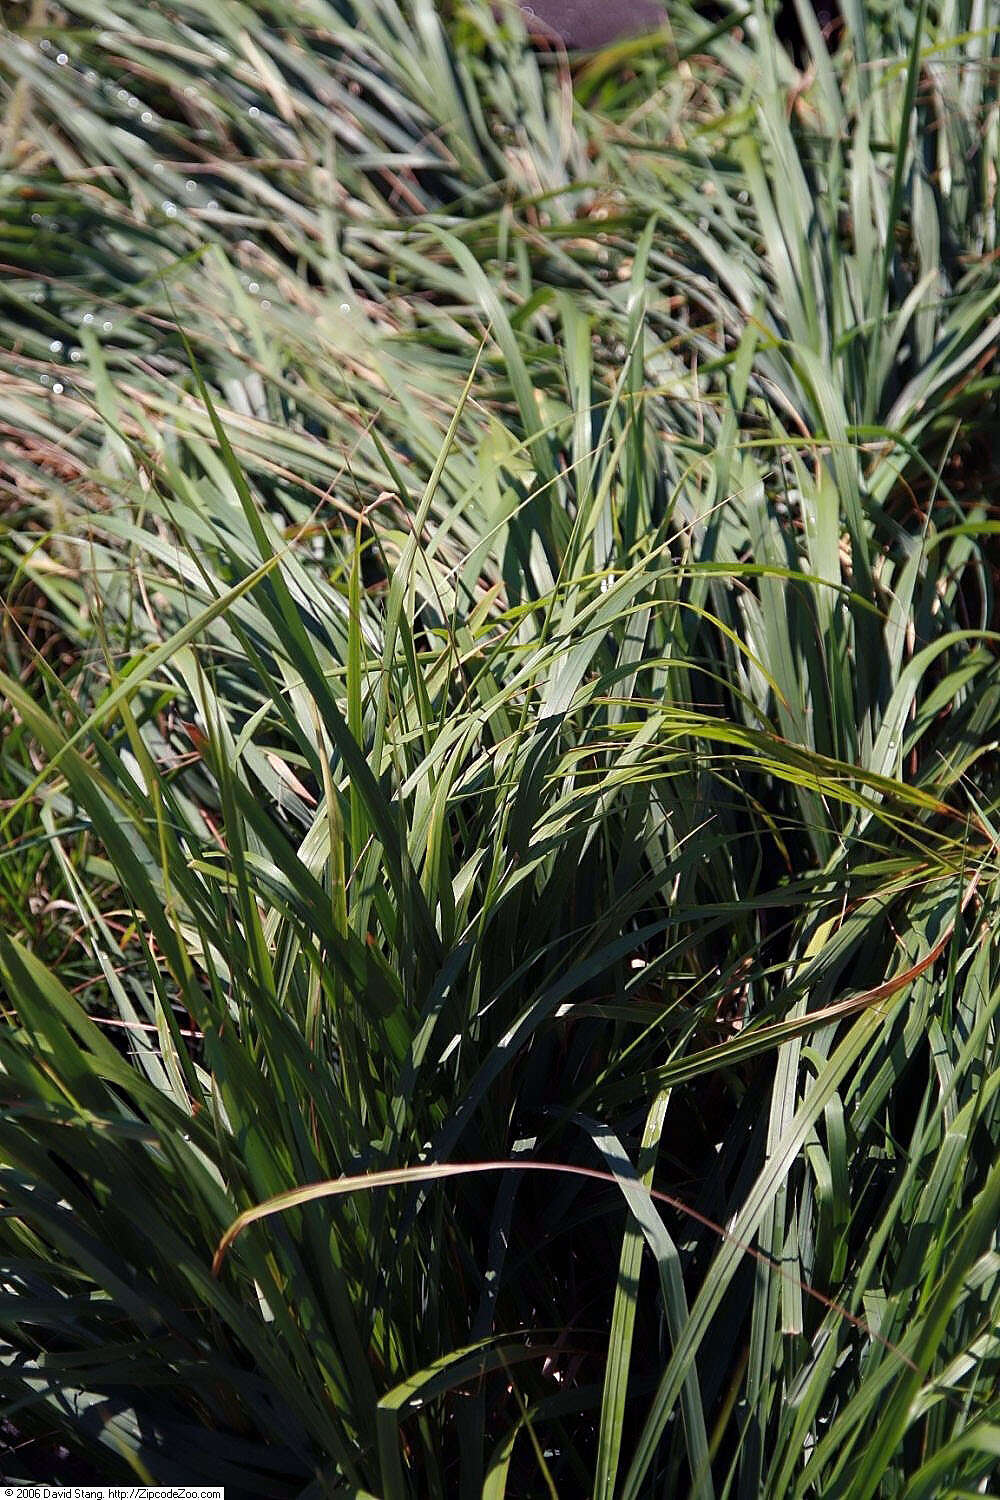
[[592, 23]]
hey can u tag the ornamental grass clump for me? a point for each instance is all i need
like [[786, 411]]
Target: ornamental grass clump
[[499, 754]]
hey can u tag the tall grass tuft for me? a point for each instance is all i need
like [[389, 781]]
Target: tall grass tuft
[[499, 855]]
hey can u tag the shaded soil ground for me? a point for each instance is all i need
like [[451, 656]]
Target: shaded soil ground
[[593, 23]]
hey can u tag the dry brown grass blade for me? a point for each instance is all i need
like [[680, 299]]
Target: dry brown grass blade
[[406, 1176]]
